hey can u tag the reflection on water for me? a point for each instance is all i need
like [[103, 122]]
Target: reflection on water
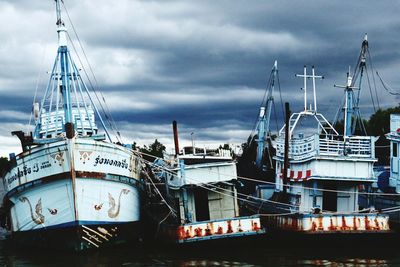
[[128, 256]]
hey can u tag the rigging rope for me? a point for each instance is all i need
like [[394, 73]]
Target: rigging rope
[[171, 172], [370, 89], [204, 186], [38, 81], [280, 96], [106, 110], [159, 193], [373, 78], [389, 89], [292, 186]]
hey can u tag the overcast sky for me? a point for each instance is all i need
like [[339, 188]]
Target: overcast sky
[[202, 63]]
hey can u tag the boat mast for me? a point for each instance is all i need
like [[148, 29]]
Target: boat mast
[[361, 67], [350, 107], [313, 77], [67, 107], [265, 117], [310, 110], [65, 68]]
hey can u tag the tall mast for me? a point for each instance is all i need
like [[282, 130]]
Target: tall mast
[[350, 107], [361, 66], [67, 108], [65, 67], [265, 117]]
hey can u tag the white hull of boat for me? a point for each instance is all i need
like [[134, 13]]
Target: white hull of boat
[[73, 183]]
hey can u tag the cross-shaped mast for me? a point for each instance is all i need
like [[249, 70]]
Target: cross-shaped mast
[[313, 77]]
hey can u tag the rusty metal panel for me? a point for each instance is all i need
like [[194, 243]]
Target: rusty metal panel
[[220, 229], [332, 222]]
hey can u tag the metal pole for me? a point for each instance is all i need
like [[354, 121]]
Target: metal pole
[[176, 140], [315, 94], [193, 149], [286, 156], [305, 88]]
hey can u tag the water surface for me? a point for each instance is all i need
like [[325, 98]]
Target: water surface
[[130, 256]]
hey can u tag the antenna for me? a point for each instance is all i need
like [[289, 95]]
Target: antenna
[[313, 77]]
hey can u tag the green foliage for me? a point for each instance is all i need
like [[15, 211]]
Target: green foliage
[[377, 125], [151, 152], [379, 122]]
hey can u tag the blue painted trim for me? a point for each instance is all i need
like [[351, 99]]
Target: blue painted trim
[[77, 223], [21, 188], [223, 236]]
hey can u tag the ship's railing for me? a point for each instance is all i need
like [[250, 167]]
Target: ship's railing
[[327, 145], [53, 122]]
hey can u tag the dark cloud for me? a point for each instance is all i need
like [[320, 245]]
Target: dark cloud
[[203, 63]]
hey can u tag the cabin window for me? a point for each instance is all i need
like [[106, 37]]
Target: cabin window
[[394, 149]]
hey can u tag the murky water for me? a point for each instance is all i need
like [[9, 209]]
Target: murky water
[[128, 256]]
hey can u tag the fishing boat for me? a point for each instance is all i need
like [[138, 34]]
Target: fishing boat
[[193, 201], [71, 187], [385, 194], [318, 174]]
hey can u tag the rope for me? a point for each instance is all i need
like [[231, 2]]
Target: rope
[[293, 186], [37, 83], [386, 86], [280, 96], [370, 90], [159, 224], [373, 78], [224, 189], [221, 188], [106, 112], [204, 186], [159, 193]]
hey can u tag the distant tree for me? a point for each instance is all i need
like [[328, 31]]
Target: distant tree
[[135, 146], [153, 151], [379, 122], [339, 127], [377, 125]]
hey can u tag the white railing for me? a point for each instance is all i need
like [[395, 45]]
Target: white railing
[[303, 148]]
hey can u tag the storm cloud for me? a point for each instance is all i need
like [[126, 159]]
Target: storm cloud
[[202, 63]]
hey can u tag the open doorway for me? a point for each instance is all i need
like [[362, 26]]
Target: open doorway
[[329, 198], [201, 204]]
